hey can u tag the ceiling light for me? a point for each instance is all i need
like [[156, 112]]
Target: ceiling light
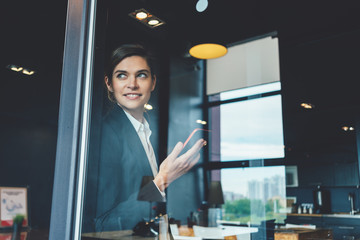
[[14, 68], [141, 15], [201, 5], [307, 105], [146, 18], [28, 72], [347, 128], [153, 22], [208, 51]]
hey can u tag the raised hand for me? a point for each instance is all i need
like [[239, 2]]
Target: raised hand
[[175, 166]]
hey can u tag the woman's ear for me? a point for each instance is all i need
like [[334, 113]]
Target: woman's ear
[[108, 84], [153, 83]]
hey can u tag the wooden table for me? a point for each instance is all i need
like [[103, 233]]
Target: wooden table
[[303, 234], [125, 234]]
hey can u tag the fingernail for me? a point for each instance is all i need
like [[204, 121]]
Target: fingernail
[[205, 143]]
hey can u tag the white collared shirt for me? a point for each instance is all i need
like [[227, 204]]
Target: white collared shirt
[[144, 133]]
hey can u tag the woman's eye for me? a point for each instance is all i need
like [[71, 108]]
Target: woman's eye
[[142, 75], [121, 75]]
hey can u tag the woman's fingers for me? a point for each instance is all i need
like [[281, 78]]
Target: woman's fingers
[[194, 160], [176, 150], [173, 166], [195, 149]]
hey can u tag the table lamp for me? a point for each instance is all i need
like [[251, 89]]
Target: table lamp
[[215, 199]]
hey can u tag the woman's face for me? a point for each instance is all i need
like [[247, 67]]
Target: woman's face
[[132, 85]]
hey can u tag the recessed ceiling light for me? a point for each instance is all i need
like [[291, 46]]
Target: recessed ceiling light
[[347, 128], [141, 15], [153, 22], [307, 105], [28, 72], [146, 18], [14, 68]]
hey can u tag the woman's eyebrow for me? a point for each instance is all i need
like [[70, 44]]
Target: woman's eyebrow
[[138, 71], [120, 71], [143, 70]]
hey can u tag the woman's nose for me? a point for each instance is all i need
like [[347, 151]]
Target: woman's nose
[[132, 83]]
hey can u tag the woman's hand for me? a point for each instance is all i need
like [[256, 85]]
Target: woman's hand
[[173, 166]]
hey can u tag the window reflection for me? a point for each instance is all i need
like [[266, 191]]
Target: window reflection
[[127, 182], [253, 194]]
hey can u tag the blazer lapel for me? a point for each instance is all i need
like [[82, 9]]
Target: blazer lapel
[[132, 143]]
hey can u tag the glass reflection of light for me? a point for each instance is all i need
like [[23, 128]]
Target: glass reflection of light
[[148, 106], [201, 122]]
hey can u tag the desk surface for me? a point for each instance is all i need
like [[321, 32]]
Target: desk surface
[[125, 234], [228, 234]]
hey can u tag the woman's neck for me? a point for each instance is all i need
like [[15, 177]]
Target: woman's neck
[[138, 115]]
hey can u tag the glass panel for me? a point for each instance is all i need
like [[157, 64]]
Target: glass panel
[[252, 129], [134, 152]]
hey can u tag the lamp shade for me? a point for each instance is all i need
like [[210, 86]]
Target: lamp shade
[[208, 51], [215, 193]]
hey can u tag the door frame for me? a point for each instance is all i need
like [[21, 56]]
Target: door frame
[[74, 120]]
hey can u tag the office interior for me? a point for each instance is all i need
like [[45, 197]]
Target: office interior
[[42, 113]]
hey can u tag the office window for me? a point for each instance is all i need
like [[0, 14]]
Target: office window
[[248, 128]]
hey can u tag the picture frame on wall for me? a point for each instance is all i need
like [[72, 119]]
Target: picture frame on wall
[[13, 202]]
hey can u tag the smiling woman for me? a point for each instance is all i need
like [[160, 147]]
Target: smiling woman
[[131, 85], [131, 82], [128, 173]]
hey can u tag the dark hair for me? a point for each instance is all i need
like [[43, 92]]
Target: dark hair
[[122, 52]]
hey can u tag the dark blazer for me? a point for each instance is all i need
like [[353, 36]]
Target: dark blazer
[[123, 162]]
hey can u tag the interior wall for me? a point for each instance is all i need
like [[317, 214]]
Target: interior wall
[[27, 157], [29, 105]]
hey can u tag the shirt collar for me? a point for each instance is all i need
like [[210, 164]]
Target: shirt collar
[[138, 125]]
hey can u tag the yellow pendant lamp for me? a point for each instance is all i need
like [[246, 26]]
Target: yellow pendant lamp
[[208, 51]]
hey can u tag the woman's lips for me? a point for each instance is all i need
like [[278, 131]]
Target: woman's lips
[[132, 96]]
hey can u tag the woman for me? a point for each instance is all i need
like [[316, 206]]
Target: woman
[[126, 151]]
